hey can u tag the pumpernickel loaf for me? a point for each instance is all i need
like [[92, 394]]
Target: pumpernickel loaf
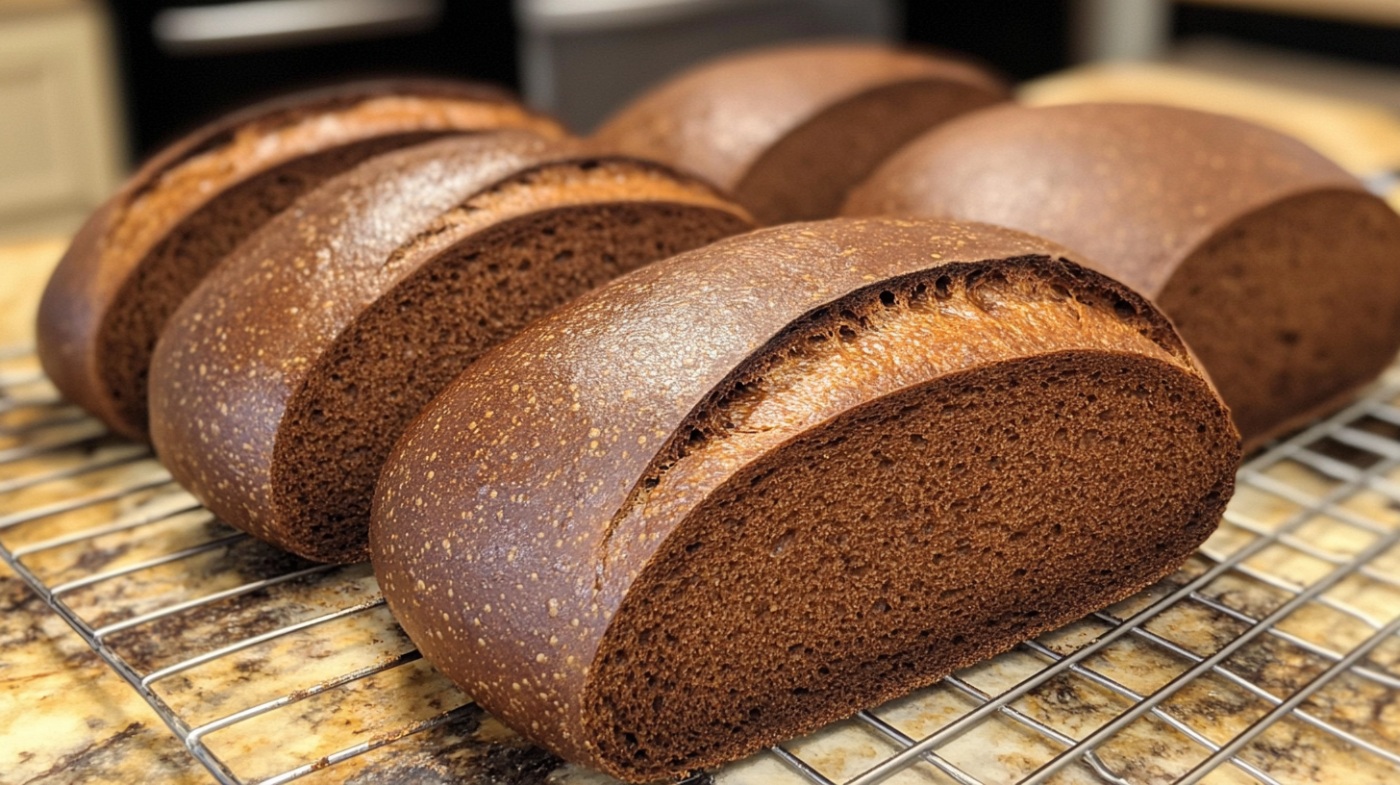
[[748, 490], [142, 252], [279, 386], [788, 130], [1281, 272]]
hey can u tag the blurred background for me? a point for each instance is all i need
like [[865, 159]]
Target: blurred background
[[88, 87]]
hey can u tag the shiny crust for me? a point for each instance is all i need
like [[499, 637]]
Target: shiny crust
[[717, 119], [91, 274], [227, 366], [527, 465]]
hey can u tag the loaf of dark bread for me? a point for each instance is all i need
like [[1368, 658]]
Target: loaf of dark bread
[[1281, 272], [148, 246], [279, 386], [744, 492], [789, 130]]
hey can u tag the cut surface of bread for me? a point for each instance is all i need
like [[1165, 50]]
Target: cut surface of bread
[[151, 244], [1292, 307], [749, 490], [789, 130], [387, 283], [1280, 271]]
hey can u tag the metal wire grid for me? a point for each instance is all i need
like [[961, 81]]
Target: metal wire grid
[[47, 427], [52, 433]]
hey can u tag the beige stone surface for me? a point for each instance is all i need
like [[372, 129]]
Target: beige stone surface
[[24, 268]]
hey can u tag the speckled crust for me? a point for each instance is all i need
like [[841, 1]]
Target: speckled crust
[[89, 280], [719, 119], [249, 339], [505, 533], [1279, 269]]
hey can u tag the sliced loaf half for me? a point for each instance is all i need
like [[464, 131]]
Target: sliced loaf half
[[747, 491], [789, 130], [1280, 270], [282, 382]]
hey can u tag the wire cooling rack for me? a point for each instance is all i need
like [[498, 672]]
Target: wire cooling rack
[[1271, 657]]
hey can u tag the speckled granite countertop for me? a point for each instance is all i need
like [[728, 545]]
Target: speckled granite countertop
[[64, 715]]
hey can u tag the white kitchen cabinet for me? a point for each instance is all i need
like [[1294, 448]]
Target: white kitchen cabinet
[[60, 133]]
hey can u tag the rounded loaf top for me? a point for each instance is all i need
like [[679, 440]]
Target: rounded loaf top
[[533, 527], [788, 129], [1133, 187]]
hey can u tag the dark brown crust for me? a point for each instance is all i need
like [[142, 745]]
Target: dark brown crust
[[719, 119], [230, 362], [292, 106], [557, 431], [1142, 191], [90, 277], [800, 177]]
